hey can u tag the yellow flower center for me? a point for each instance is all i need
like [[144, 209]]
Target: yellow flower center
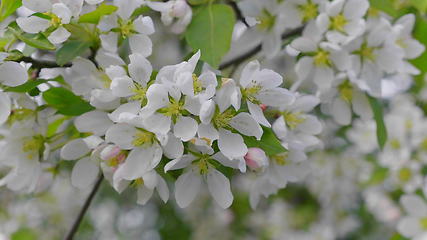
[[143, 137], [126, 28], [55, 21], [266, 20], [308, 11], [106, 81], [140, 94], [137, 182], [20, 114], [423, 145], [346, 91], [423, 223], [222, 120], [250, 93], [338, 23], [405, 174], [293, 119], [373, 12], [395, 143], [322, 58], [366, 52], [197, 84], [33, 146], [281, 159]]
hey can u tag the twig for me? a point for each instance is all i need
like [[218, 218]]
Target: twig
[[83, 210], [257, 49], [41, 63]]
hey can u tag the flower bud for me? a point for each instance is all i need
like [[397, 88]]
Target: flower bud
[[256, 159], [263, 107], [180, 8]]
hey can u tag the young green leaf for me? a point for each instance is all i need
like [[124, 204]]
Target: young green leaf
[[210, 31], [377, 109], [66, 102], [38, 40], [269, 142], [8, 7], [95, 16], [71, 50], [26, 87]]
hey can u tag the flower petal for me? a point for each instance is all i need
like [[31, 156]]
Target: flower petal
[[231, 144], [74, 149], [219, 187], [84, 173], [187, 187], [12, 74], [246, 125]]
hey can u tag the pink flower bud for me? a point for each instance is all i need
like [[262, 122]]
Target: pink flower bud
[[263, 107], [110, 152], [256, 159]]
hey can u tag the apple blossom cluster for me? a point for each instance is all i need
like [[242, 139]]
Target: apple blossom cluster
[[318, 106]]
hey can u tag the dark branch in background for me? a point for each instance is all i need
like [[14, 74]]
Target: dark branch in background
[[83, 210], [41, 63], [257, 49], [239, 14]]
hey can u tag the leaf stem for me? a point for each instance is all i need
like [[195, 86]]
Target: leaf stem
[[83, 210]]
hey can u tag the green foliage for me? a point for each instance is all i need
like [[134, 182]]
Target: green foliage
[[8, 7], [71, 50], [420, 5], [377, 109], [95, 16], [378, 176], [66, 102], [31, 85], [171, 224], [197, 2], [210, 31], [269, 142], [24, 234], [38, 40]]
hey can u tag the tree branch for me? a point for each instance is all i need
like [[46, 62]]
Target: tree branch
[[83, 210], [41, 63], [257, 49]]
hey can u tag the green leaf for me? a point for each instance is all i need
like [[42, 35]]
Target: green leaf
[[8, 7], [95, 16], [35, 40], [53, 127], [420, 5], [377, 109], [210, 31], [71, 50], [66, 102], [385, 6], [197, 2], [269, 142], [26, 87], [24, 234]]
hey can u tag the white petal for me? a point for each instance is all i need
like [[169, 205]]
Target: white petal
[[12, 74], [140, 161], [140, 69], [323, 77], [60, 35], [38, 5], [409, 227], [121, 134], [5, 107], [96, 122], [84, 173], [219, 187], [109, 41], [355, 8], [144, 194], [179, 163], [141, 44], [304, 44], [174, 147], [246, 125], [207, 131], [187, 187], [207, 111], [311, 125], [122, 86], [304, 67], [162, 189], [62, 11], [32, 24], [144, 25], [74, 149], [305, 103], [231, 144], [185, 128], [276, 97], [130, 107], [414, 205], [341, 111], [258, 114], [158, 123], [268, 79], [248, 72]]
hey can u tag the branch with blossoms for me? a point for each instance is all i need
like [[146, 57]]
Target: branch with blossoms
[[112, 97]]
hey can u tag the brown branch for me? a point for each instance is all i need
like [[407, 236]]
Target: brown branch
[[256, 50], [41, 63], [83, 210]]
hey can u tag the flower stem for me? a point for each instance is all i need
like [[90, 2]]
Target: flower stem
[[83, 210]]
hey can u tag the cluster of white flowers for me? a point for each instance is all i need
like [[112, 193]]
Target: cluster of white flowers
[[189, 125]]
